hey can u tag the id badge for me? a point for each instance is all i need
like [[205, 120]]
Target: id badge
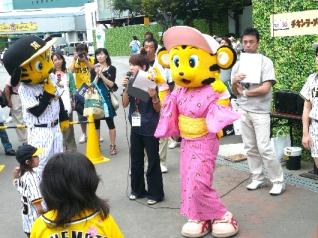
[[136, 119]]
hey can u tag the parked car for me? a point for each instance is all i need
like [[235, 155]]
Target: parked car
[[60, 48], [69, 49], [90, 45]]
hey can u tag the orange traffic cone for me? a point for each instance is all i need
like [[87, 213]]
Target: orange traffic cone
[[93, 152]]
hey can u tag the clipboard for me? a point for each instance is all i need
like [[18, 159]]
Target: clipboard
[[137, 92]]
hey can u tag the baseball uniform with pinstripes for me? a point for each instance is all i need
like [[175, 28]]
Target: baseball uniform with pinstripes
[[49, 138], [28, 187]]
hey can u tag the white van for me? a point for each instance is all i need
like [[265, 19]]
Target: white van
[[70, 48], [90, 45]]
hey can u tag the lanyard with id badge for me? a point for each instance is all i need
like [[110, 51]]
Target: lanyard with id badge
[[136, 116]]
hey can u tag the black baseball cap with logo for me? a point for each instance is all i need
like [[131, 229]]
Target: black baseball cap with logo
[[22, 52], [26, 152]]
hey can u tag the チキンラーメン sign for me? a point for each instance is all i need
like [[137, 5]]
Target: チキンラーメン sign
[[295, 23]]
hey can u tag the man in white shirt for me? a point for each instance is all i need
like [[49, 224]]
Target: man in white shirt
[[254, 101]]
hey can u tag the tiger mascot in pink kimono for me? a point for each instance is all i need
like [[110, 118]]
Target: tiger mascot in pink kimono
[[193, 111]]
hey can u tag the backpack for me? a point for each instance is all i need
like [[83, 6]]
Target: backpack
[[134, 47]]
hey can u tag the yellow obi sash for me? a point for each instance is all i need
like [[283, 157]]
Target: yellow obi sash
[[192, 127]]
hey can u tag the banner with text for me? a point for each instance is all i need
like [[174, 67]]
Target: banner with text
[[294, 23], [16, 27]]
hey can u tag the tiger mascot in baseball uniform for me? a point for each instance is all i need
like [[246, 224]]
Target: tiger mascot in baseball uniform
[[28, 61], [197, 110]]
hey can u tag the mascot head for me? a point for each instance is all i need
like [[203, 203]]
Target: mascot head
[[28, 60], [195, 59]]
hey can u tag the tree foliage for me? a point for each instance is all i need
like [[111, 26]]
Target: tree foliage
[[173, 12], [133, 6]]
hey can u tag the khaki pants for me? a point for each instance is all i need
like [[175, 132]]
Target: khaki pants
[[16, 113], [69, 143], [163, 148], [256, 139]]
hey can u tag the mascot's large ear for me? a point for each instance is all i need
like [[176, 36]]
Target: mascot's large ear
[[226, 57], [163, 57]]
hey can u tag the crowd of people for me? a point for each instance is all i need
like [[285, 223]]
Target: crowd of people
[[75, 203]]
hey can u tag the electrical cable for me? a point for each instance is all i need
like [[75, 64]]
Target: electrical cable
[[235, 187], [129, 169]]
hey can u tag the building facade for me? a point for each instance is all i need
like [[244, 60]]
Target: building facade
[[36, 4]]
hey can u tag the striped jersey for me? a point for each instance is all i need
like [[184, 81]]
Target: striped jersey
[[30, 96], [28, 187]]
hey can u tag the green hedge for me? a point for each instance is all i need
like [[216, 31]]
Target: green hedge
[[118, 38], [219, 28], [293, 56]]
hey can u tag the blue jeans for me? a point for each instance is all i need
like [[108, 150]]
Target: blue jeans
[[5, 140]]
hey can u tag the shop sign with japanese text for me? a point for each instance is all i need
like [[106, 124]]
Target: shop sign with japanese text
[[294, 23]]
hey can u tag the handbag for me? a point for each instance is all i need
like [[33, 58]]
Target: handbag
[[113, 97], [93, 104], [114, 100], [279, 142]]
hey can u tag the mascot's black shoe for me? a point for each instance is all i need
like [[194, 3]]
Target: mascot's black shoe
[[10, 152]]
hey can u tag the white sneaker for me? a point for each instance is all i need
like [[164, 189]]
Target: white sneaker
[[82, 139], [172, 144], [278, 188], [255, 184], [163, 168], [101, 139], [196, 228], [225, 227]]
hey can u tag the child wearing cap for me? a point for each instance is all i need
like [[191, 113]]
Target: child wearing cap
[[26, 182]]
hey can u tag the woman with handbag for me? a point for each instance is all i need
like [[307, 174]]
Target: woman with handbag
[[66, 81], [104, 80]]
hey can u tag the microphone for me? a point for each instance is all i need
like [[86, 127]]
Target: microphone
[[129, 74]]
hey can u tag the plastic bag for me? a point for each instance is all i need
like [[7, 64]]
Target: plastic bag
[[279, 142]]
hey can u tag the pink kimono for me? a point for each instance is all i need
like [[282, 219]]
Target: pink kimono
[[198, 154]]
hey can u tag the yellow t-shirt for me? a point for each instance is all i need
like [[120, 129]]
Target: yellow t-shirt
[[82, 72], [90, 224]]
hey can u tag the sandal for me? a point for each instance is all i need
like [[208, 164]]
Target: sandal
[[113, 150]]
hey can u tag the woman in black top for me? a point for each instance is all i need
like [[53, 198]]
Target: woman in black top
[[142, 138], [104, 77]]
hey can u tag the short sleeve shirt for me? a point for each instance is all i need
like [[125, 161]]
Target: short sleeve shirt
[[149, 117], [82, 73], [258, 104], [310, 92]]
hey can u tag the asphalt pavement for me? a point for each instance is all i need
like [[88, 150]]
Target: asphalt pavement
[[294, 214]]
